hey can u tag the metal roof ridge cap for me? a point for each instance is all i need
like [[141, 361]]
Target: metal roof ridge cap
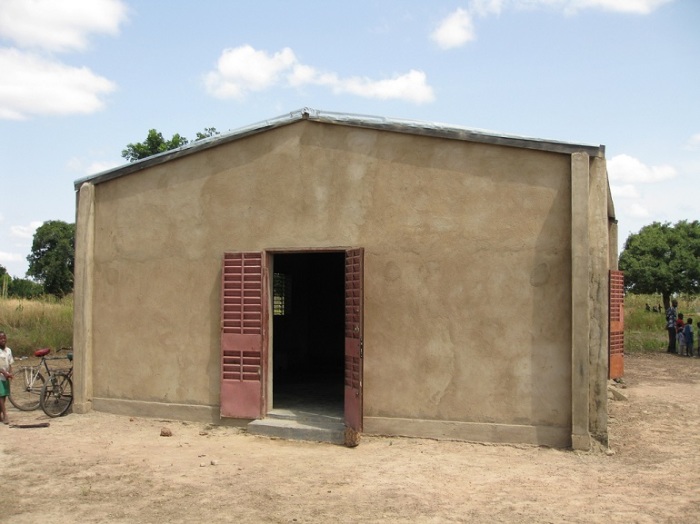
[[438, 127]]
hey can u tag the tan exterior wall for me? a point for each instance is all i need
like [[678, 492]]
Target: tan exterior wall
[[468, 274]]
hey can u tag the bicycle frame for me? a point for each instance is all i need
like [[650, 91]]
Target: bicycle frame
[[28, 381], [57, 393]]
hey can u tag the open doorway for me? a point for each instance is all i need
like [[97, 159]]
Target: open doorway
[[308, 332]]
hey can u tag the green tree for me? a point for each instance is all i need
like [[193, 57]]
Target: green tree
[[208, 132], [156, 143], [663, 258], [25, 288], [52, 259]]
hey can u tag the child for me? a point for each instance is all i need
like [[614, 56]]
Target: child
[[688, 336], [6, 361], [680, 339]]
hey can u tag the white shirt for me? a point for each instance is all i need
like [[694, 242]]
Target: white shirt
[[6, 361]]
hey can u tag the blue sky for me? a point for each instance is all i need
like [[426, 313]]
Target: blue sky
[[80, 79]]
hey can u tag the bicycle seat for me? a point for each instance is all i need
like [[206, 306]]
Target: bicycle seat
[[42, 352]]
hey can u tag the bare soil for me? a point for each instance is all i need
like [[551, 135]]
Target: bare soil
[[109, 468]]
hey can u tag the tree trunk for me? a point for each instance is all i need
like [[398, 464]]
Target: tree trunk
[[666, 296]]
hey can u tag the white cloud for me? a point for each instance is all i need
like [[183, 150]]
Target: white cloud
[[243, 69], [486, 7], [411, 86], [303, 74], [455, 30], [10, 257], [626, 191], [638, 7], [693, 142], [34, 82], [25, 231], [33, 85], [59, 26], [624, 168], [636, 210]]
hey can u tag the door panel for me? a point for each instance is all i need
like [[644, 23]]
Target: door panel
[[242, 328], [354, 277], [616, 342]]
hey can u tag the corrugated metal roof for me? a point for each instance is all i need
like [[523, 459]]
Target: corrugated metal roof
[[396, 125]]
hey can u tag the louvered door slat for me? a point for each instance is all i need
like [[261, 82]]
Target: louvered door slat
[[354, 277], [242, 319], [616, 342]]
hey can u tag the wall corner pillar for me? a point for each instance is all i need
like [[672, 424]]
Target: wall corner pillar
[[580, 323], [82, 298], [599, 298]]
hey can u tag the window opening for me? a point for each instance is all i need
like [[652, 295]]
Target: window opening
[[281, 294]]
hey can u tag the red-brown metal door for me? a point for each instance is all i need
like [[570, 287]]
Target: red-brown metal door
[[616, 342], [354, 276], [242, 328]]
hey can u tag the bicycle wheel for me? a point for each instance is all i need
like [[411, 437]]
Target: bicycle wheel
[[57, 394], [25, 388]]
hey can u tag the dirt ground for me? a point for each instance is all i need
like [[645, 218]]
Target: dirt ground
[[109, 468]]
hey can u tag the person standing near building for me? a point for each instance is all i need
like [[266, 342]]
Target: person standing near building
[[689, 338], [671, 316], [6, 361], [680, 341]]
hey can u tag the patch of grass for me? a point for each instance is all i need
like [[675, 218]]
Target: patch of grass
[[645, 331], [31, 324]]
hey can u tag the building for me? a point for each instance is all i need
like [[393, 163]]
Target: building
[[433, 280]]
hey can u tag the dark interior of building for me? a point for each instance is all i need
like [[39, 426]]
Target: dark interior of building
[[308, 329]]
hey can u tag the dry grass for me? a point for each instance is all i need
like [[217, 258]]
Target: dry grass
[[31, 324]]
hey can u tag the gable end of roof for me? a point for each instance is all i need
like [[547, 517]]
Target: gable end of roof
[[412, 127]]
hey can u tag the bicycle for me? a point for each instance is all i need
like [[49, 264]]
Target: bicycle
[[57, 394], [28, 381]]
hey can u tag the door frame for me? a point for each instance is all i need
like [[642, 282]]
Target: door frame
[[268, 369], [246, 378]]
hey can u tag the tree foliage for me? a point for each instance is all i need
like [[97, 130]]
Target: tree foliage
[[24, 288], [663, 258], [52, 259], [207, 133], [156, 143]]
